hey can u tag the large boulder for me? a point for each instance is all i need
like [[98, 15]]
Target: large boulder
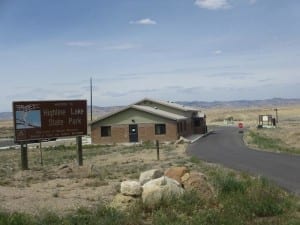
[[149, 175], [176, 173], [160, 189], [131, 188], [198, 182]]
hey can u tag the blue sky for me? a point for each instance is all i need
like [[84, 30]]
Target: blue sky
[[166, 49]]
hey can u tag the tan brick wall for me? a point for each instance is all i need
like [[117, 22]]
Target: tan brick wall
[[146, 132]]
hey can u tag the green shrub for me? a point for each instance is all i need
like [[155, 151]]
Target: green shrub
[[268, 143], [228, 184], [15, 219], [216, 217], [195, 160], [265, 142], [178, 210], [48, 218], [167, 216], [266, 200]]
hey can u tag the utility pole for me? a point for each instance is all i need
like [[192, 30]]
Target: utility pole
[[91, 90]]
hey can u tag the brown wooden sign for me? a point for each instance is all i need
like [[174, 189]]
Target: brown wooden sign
[[43, 120]]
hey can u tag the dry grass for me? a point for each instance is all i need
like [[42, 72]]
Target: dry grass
[[61, 186], [6, 128], [288, 130]]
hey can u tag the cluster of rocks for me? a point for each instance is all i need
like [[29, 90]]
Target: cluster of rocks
[[156, 185]]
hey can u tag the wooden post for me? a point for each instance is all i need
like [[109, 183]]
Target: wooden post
[[79, 150], [157, 149], [24, 157], [41, 153]]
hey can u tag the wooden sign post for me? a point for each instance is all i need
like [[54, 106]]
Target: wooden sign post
[[35, 121], [79, 150], [24, 157]]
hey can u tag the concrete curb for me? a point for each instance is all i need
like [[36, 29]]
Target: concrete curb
[[202, 136]]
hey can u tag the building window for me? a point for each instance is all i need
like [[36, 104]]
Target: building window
[[160, 129], [106, 131]]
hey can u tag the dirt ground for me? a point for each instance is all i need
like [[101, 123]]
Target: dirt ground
[[67, 187]]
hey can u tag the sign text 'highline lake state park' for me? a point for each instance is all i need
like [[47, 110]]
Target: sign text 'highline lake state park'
[[42, 120]]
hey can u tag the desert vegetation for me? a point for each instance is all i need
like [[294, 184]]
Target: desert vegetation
[[60, 192], [284, 138], [6, 129]]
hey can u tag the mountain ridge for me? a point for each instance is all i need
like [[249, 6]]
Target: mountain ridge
[[274, 102], [243, 103]]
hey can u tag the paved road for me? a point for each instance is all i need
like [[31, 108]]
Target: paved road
[[6, 142], [225, 146]]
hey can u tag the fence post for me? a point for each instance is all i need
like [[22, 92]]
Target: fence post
[[157, 149], [79, 150], [41, 153]]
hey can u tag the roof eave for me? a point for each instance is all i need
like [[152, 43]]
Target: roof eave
[[157, 114], [167, 104]]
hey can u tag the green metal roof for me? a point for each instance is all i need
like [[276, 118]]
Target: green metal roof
[[147, 109], [159, 112], [168, 104]]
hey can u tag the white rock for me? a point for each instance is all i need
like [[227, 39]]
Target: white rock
[[159, 189], [149, 175], [131, 188]]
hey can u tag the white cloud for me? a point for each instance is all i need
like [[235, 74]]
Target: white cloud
[[213, 4], [120, 47], [145, 21], [217, 52], [80, 43]]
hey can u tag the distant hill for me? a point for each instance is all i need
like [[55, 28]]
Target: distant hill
[[6, 116], [100, 111], [274, 102]]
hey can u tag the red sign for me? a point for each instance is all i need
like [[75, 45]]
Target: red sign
[[42, 120]]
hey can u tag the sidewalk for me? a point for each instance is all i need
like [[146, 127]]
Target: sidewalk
[[196, 137]]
